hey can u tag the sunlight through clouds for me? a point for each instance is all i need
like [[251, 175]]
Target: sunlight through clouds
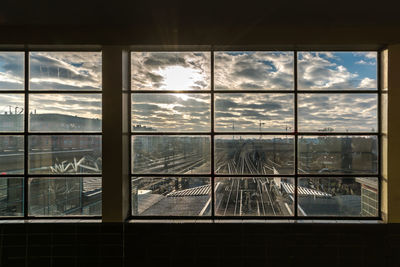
[[170, 70]]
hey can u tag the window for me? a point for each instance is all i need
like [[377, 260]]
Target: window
[[214, 134], [50, 130], [255, 134]]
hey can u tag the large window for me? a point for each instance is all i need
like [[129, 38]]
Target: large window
[[255, 134], [50, 133]]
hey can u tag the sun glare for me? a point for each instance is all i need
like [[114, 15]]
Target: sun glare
[[180, 78]]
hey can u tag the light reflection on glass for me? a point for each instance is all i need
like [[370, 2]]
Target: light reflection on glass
[[64, 154], [12, 71], [65, 112], [60, 196], [65, 70]]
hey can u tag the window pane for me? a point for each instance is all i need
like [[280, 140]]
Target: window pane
[[338, 154], [258, 196], [337, 70], [11, 154], [65, 112], [170, 70], [254, 112], [171, 154], [171, 112], [64, 196], [66, 154], [173, 196], [338, 112], [337, 197], [254, 154], [11, 112], [11, 196], [12, 71], [65, 70], [253, 70]]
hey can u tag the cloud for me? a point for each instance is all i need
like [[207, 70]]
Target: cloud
[[65, 70], [245, 111], [170, 70], [253, 70], [172, 112], [11, 70], [80, 105], [316, 72], [342, 112], [367, 83], [363, 62]]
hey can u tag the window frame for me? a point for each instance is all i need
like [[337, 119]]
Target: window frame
[[296, 134], [26, 133]]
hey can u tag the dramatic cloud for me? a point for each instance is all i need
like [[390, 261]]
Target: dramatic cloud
[[340, 112], [172, 112], [337, 70], [253, 70], [65, 70], [170, 70], [11, 70], [79, 105], [254, 112]]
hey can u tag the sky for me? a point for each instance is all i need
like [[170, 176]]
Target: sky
[[62, 71], [258, 72], [191, 71]]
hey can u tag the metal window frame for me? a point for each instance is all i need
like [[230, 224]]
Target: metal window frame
[[295, 133], [26, 132]]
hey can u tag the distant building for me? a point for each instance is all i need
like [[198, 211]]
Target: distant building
[[369, 196]]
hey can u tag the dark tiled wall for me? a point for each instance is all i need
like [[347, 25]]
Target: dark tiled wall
[[199, 244]]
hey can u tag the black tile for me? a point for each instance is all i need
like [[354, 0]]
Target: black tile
[[39, 262], [112, 251], [64, 262], [65, 251]]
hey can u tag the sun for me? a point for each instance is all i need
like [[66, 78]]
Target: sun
[[179, 78]]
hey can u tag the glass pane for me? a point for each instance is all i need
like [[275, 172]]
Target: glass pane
[[12, 71], [338, 197], [63, 196], [338, 154], [11, 154], [254, 112], [172, 196], [65, 70], [170, 154], [337, 70], [171, 112], [11, 196], [259, 196], [170, 70], [65, 112], [66, 154], [253, 70], [11, 112], [338, 112], [254, 154]]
